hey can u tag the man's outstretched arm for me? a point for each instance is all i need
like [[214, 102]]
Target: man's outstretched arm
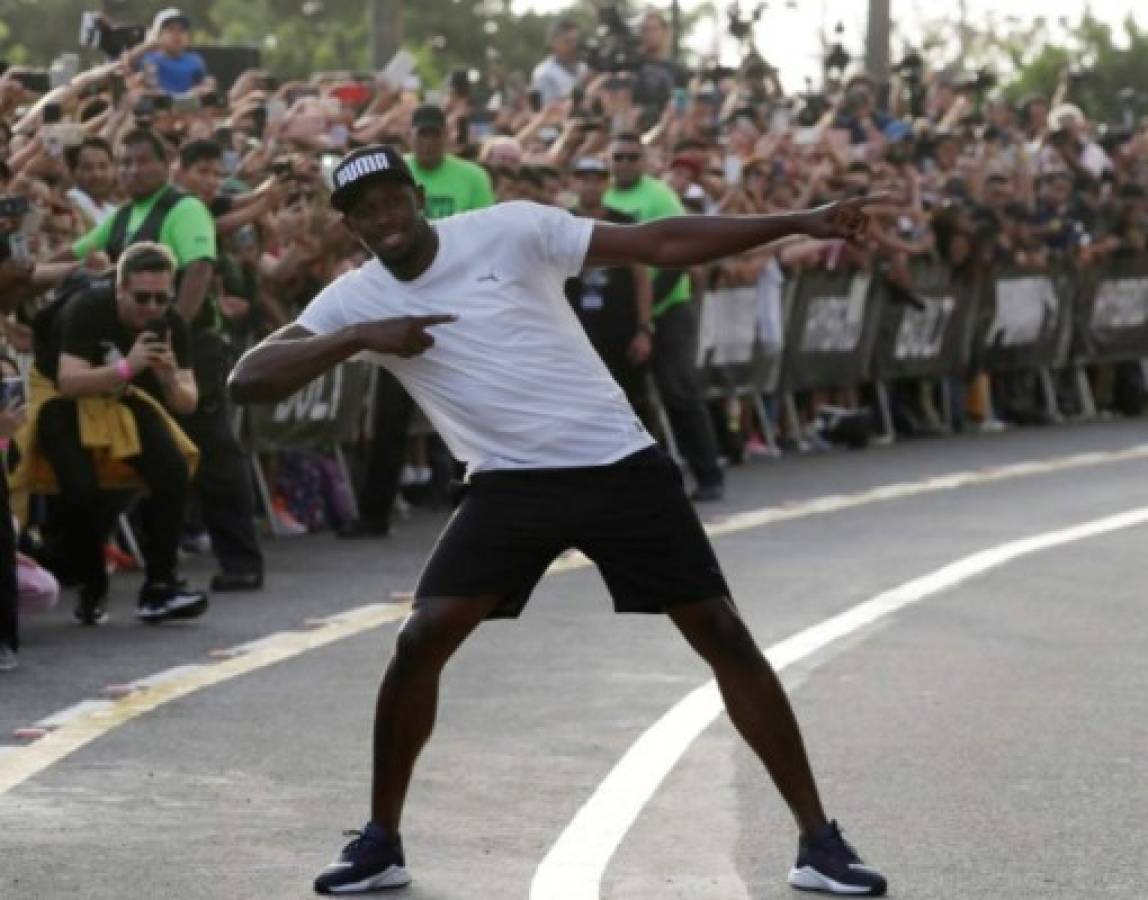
[[282, 363], [691, 240]]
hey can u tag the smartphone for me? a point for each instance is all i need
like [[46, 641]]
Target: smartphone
[[462, 136], [400, 67], [36, 82], [12, 392], [535, 98], [159, 326], [18, 250], [119, 88], [51, 113], [681, 100], [13, 207]]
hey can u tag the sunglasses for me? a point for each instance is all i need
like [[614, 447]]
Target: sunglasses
[[627, 157], [151, 298]]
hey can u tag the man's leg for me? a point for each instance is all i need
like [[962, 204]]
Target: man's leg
[[164, 470], [755, 701], [408, 696], [675, 374]]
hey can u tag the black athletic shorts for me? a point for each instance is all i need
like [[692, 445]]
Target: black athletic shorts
[[632, 519]]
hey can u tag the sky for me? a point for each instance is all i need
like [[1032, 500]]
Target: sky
[[787, 34]]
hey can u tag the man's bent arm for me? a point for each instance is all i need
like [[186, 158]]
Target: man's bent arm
[[286, 360]]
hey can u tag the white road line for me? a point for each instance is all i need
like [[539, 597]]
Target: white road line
[[573, 868]]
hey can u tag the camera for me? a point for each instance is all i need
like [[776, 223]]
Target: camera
[[100, 34], [615, 48], [13, 207], [38, 82], [159, 326]]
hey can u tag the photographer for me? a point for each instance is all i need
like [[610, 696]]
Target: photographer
[[161, 213], [1069, 144], [118, 355]]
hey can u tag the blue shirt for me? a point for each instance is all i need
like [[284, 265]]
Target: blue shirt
[[176, 74]]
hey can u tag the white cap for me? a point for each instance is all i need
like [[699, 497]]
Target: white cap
[[165, 17], [1065, 114]]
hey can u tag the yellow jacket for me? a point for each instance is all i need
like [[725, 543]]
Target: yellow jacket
[[107, 428]]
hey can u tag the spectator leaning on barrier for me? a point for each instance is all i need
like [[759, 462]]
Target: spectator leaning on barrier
[[614, 303], [113, 367], [675, 324], [12, 417], [158, 211]]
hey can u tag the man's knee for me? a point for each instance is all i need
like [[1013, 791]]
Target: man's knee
[[718, 632], [426, 641]]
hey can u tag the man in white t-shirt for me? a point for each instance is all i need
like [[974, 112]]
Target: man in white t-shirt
[[556, 76], [556, 458]]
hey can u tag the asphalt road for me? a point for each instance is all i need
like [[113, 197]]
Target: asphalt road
[[987, 742]]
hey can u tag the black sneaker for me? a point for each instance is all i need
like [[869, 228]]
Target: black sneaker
[[826, 863], [160, 600], [373, 861], [91, 608]]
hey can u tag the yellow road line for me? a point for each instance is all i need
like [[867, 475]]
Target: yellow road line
[[25, 762]]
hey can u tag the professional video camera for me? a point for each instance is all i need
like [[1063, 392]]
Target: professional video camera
[[614, 48]]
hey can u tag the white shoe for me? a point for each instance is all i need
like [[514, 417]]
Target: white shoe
[[8, 660]]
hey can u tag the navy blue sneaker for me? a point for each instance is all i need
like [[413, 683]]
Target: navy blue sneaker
[[826, 863], [373, 861]]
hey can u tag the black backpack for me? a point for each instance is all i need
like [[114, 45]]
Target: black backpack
[[46, 323], [150, 227]]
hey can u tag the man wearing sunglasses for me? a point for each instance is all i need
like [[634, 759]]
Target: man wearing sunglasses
[[121, 364], [675, 326]]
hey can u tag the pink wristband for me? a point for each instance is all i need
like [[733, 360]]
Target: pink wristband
[[124, 370]]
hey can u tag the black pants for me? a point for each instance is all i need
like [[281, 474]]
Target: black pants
[[676, 375], [392, 413], [160, 465], [222, 484], [9, 611], [634, 380]]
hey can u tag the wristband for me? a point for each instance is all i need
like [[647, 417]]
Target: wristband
[[124, 370]]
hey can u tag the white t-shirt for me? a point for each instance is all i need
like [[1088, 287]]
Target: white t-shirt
[[554, 81], [514, 383]]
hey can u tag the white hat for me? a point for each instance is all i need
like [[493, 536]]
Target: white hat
[[166, 17]]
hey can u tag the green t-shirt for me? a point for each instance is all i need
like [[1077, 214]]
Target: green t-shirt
[[456, 186], [647, 200], [188, 230]]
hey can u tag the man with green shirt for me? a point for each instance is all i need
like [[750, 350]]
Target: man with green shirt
[[675, 323], [159, 212], [452, 186]]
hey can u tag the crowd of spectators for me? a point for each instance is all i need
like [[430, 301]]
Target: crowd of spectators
[[232, 179]]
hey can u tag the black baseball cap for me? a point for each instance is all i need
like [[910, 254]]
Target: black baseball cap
[[359, 167], [428, 116]]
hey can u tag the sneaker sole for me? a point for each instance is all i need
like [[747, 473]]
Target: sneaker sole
[[809, 879], [392, 878], [188, 610]]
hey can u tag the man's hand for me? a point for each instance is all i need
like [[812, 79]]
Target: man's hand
[[148, 352], [163, 361], [640, 348], [11, 418], [406, 336], [845, 220]]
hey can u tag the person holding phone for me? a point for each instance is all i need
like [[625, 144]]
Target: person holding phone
[[119, 356]]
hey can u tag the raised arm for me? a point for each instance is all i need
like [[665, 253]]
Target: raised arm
[[683, 241], [283, 362]]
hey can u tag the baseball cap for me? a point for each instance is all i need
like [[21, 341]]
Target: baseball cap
[[428, 116], [359, 167], [169, 16], [589, 165]]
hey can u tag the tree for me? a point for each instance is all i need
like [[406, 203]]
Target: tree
[[1029, 59]]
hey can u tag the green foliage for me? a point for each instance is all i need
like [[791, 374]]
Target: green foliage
[[1030, 60]]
